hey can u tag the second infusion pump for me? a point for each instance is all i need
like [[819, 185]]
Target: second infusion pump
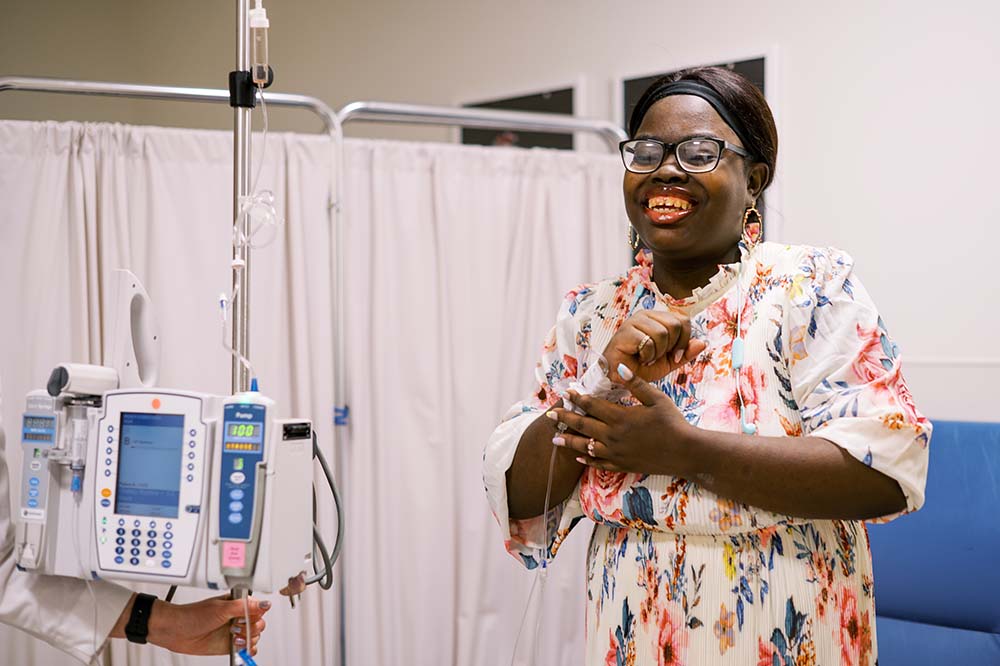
[[180, 487]]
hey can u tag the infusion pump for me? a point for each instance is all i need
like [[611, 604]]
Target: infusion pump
[[165, 486]]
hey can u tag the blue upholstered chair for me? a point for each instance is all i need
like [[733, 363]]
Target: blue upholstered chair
[[937, 571]]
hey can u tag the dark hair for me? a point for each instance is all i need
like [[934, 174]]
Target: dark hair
[[740, 96]]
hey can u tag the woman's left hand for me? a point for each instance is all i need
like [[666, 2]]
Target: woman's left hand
[[647, 438]]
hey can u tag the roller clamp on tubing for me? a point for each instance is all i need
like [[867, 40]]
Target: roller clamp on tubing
[[244, 655], [242, 91]]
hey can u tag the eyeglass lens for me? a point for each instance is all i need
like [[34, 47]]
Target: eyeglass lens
[[693, 155]]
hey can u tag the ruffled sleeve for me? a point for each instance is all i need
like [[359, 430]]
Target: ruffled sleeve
[[845, 374], [565, 356]]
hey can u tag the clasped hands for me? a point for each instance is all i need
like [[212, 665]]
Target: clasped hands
[[645, 438]]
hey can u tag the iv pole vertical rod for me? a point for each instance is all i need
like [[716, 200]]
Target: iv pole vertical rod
[[241, 251], [241, 188]]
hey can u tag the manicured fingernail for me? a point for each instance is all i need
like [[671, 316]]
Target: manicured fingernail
[[239, 641], [624, 372], [581, 461], [237, 630], [264, 605], [678, 355], [559, 441], [552, 415]]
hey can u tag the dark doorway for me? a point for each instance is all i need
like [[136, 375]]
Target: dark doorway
[[553, 101]]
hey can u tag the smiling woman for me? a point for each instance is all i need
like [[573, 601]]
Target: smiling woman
[[726, 413]]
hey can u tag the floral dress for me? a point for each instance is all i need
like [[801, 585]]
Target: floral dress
[[678, 575]]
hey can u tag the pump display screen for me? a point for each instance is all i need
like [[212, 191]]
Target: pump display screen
[[241, 436], [149, 464], [244, 429], [38, 429]]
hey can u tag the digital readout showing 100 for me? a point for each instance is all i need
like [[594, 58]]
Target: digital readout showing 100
[[243, 430]]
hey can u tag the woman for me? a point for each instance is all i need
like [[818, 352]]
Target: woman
[[727, 413]]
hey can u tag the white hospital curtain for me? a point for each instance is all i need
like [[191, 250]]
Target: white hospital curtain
[[458, 258]]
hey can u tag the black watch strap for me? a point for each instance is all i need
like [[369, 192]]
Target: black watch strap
[[137, 628]]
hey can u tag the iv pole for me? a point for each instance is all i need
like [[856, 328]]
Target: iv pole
[[241, 251], [241, 188]]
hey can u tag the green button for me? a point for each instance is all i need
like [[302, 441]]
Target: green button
[[238, 464]]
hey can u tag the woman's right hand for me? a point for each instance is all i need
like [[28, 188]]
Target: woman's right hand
[[668, 347]]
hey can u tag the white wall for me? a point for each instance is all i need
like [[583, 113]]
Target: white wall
[[871, 98]]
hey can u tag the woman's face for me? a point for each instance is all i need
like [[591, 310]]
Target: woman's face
[[708, 220]]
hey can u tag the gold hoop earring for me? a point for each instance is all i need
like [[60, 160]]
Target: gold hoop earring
[[753, 229], [633, 237]]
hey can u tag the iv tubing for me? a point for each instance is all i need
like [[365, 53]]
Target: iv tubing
[[541, 573]]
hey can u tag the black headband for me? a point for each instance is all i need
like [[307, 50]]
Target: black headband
[[688, 87]]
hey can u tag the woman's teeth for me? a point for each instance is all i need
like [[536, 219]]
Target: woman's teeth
[[668, 203]]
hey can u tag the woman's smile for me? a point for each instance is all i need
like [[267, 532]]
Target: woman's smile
[[667, 206]]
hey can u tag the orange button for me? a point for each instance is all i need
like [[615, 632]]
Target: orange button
[[106, 492], [156, 403]]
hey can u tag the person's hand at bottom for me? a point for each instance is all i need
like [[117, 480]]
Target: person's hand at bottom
[[203, 627]]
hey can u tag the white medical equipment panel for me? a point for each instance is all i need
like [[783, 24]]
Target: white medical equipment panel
[[153, 460], [245, 447], [39, 436]]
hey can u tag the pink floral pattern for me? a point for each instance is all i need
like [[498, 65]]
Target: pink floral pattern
[[855, 633], [601, 495], [672, 641]]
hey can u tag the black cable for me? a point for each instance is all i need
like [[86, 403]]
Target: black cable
[[170, 593], [315, 553], [325, 578], [335, 555], [326, 582]]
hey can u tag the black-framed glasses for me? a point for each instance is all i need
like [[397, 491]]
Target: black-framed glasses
[[696, 155]]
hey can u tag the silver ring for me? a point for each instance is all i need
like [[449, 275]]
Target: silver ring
[[562, 427], [590, 448]]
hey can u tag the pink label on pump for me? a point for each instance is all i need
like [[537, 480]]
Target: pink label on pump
[[234, 554]]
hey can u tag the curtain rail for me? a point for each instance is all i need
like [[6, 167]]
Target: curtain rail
[[382, 112], [387, 112], [176, 93]]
